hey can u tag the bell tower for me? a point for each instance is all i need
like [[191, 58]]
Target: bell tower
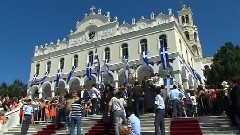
[[190, 30]]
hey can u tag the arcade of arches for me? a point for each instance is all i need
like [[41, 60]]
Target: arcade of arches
[[182, 77]]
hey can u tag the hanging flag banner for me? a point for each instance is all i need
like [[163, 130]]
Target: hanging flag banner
[[58, 77], [164, 58], [89, 71]]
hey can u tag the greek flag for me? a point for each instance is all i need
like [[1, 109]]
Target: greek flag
[[58, 77], [70, 74], [34, 80], [196, 75], [126, 71], [97, 66], [89, 71], [164, 58], [106, 63], [168, 83], [145, 57], [44, 77]]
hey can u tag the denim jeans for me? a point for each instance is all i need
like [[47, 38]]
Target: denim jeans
[[117, 120], [25, 124], [76, 121], [68, 119]]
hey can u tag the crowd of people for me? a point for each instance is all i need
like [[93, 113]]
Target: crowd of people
[[127, 104]]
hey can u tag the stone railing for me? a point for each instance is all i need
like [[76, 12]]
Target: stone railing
[[13, 119]]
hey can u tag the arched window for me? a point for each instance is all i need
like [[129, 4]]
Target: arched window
[[163, 40], [48, 66], [37, 69], [187, 19], [183, 19], [107, 53], [75, 60], [61, 63], [90, 56], [195, 36], [187, 35], [125, 49], [144, 46]]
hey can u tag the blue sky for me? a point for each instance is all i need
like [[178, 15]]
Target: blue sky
[[26, 23]]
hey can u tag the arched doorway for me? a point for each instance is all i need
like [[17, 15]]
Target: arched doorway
[[88, 82], [131, 76], [163, 73], [74, 84], [144, 71], [61, 88], [34, 92], [46, 90], [108, 78]]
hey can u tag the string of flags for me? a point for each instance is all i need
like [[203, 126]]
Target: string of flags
[[164, 59]]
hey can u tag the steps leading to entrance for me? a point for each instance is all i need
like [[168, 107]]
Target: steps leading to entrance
[[210, 125]]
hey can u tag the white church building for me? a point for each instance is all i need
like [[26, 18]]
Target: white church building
[[113, 40]]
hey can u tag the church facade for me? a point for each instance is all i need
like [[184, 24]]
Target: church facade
[[111, 40]]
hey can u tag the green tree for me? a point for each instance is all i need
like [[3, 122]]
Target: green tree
[[226, 64], [16, 89]]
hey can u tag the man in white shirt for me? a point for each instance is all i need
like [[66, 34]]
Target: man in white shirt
[[94, 94], [117, 104]]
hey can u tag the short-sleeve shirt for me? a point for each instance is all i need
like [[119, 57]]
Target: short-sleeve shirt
[[27, 110], [117, 104], [134, 124], [159, 102]]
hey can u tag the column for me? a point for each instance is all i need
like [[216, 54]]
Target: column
[[53, 93], [40, 94], [160, 81], [116, 84]]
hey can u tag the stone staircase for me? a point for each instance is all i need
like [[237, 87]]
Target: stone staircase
[[87, 123], [33, 129], [210, 125]]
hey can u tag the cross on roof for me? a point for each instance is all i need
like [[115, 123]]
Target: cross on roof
[[92, 9]]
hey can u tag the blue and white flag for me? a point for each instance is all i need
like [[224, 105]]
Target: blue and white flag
[[58, 77], [107, 67], [126, 70], [145, 57], [34, 80], [196, 75], [164, 58], [101, 78], [89, 71], [44, 77], [97, 66], [168, 83], [70, 74]]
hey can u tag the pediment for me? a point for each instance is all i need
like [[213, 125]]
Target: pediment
[[95, 20]]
